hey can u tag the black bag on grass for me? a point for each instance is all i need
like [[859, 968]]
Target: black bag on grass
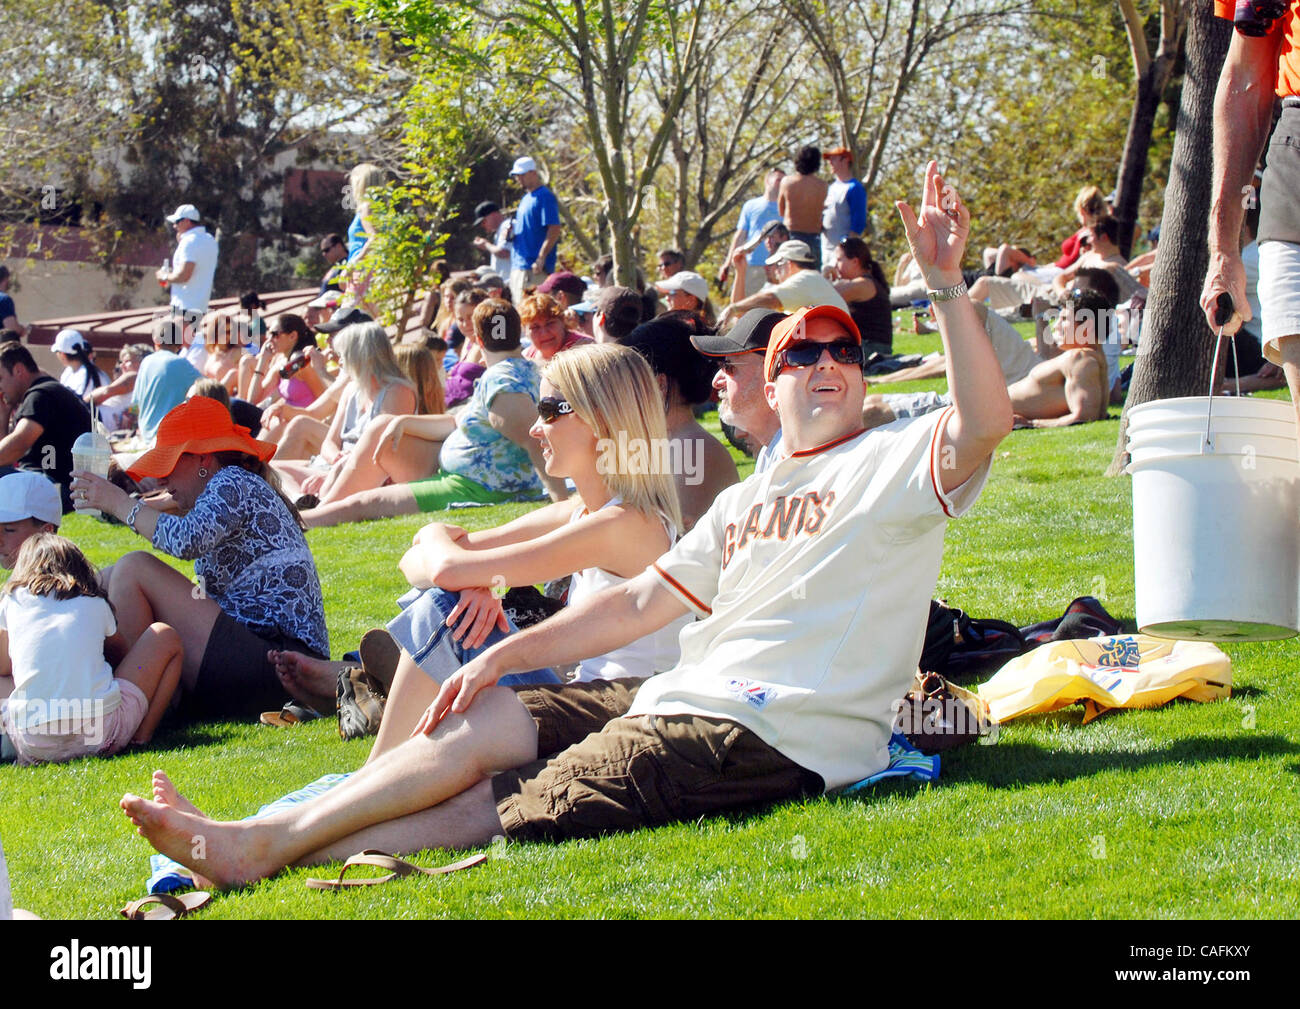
[[957, 646]]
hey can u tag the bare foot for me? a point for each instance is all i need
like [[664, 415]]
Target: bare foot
[[227, 854], [166, 793], [313, 682]]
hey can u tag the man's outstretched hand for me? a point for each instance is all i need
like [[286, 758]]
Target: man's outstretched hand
[[937, 235], [457, 693]]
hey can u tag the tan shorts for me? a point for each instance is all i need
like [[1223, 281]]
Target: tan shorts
[[606, 772]]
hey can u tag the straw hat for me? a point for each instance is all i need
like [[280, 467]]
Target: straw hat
[[197, 426]]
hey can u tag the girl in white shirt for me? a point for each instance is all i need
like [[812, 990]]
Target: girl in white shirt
[[59, 698]]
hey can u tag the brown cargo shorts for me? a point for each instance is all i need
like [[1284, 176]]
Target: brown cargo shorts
[[604, 772]]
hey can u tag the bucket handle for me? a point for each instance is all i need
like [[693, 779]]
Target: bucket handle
[[1222, 313]]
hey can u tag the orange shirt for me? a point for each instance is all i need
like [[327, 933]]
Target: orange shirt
[[1288, 57]]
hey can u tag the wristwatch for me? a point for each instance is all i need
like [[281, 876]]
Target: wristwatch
[[947, 293]]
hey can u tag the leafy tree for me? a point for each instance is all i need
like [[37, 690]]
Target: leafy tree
[[1152, 74], [128, 108]]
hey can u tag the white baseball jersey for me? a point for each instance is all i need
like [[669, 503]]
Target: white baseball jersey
[[813, 582]]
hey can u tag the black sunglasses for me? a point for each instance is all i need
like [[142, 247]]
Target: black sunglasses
[[806, 353], [552, 408]]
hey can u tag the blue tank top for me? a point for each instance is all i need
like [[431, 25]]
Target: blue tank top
[[356, 237]]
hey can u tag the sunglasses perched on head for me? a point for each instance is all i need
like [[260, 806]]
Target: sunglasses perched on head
[[552, 408], [806, 353]]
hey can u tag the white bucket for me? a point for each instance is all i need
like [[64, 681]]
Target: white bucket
[[1216, 543]]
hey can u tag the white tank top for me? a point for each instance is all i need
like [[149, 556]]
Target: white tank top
[[646, 656]]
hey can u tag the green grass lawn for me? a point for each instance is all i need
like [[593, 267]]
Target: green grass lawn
[[1186, 811]]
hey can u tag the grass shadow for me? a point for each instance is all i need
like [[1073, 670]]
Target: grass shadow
[[1019, 764]]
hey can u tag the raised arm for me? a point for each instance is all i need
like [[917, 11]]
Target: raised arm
[[982, 414], [605, 621]]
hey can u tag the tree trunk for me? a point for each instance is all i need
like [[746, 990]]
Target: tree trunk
[[1176, 344], [1137, 143]]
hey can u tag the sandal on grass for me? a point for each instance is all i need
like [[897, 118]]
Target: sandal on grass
[[360, 703], [380, 654], [170, 905], [291, 714], [396, 866]]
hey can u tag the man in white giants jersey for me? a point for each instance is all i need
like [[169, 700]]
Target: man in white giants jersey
[[810, 582]]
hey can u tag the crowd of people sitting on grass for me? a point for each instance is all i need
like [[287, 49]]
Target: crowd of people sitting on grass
[[724, 615]]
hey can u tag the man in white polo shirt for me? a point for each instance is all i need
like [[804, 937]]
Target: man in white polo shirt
[[797, 284], [193, 264], [811, 583]]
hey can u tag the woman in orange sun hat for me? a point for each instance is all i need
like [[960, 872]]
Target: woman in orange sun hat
[[255, 586]]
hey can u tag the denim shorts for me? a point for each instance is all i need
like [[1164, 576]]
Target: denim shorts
[[421, 629]]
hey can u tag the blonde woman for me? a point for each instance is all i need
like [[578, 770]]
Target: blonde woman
[[361, 231], [423, 367], [623, 517], [1089, 208], [376, 386]]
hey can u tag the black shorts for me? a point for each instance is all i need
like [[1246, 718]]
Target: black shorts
[[235, 679], [602, 771]]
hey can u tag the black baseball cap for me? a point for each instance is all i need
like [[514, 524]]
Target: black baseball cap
[[751, 333], [482, 211], [343, 318]]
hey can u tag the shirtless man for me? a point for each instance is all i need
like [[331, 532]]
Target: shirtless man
[[801, 199], [1071, 388]]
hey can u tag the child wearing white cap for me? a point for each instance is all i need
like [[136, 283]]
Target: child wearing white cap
[[29, 504]]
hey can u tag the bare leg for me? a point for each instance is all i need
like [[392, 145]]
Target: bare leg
[[293, 474], [415, 459], [412, 692], [154, 665], [1289, 346], [382, 502], [980, 289], [875, 413], [6, 686], [302, 438], [463, 821], [143, 590], [494, 735]]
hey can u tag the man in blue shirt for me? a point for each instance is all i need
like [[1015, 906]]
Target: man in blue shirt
[[845, 213], [753, 215], [536, 232], [163, 378]]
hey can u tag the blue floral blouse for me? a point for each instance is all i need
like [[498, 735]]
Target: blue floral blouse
[[250, 557]]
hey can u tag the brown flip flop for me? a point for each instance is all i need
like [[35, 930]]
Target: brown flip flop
[[170, 905], [396, 866]]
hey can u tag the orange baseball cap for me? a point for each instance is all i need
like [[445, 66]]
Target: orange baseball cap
[[196, 426], [838, 152], [791, 328]]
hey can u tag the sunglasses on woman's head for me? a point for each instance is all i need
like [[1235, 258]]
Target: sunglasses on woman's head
[[806, 353], [552, 408]]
